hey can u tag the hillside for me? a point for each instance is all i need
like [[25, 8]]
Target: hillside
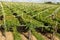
[[29, 21]]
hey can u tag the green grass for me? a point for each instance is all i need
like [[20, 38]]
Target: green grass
[[16, 34]]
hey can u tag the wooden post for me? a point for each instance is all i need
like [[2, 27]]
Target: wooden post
[[52, 35], [4, 33], [54, 28], [29, 32], [30, 35]]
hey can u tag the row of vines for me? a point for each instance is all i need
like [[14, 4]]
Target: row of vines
[[32, 18]]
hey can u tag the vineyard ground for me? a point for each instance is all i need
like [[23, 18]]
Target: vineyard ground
[[23, 33], [9, 36]]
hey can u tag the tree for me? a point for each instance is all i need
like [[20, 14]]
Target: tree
[[48, 2]]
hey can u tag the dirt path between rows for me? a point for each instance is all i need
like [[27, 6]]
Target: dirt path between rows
[[32, 36], [56, 38], [9, 36], [23, 37], [49, 35], [1, 36]]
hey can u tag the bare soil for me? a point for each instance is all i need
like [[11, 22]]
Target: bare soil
[[23, 37], [1, 36], [32, 36], [9, 36], [48, 37]]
